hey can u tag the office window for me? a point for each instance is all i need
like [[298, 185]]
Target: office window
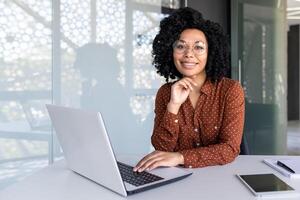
[[92, 54], [25, 86]]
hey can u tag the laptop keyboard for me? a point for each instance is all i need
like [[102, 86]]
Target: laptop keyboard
[[136, 178]]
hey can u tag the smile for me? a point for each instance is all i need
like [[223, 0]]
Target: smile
[[189, 64]]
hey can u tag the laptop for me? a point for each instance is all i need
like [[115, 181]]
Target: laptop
[[88, 152]]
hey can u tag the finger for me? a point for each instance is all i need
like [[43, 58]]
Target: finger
[[154, 155], [143, 165], [145, 159], [149, 162], [188, 83], [191, 81], [185, 84], [181, 84], [168, 160]]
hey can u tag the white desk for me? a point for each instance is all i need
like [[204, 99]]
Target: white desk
[[56, 182]]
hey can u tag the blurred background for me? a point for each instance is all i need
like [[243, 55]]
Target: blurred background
[[96, 55]]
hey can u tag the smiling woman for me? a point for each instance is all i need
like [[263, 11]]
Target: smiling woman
[[191, 63], [199, 118]]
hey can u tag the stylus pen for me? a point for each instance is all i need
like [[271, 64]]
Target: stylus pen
[[285, 167]]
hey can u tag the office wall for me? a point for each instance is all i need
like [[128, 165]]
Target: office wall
[[215, 10]]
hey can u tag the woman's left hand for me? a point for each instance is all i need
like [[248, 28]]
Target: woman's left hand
[[157, 159]]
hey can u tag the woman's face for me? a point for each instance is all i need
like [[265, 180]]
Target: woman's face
[[190, 53]]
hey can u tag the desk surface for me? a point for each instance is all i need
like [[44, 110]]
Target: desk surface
[[217, 183]]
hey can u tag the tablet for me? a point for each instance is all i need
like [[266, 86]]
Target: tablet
[[265, 184]]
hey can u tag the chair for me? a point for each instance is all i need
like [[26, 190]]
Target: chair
[[260, 128], [244, 146]]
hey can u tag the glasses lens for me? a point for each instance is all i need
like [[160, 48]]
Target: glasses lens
[[180, 47], [199, 48]]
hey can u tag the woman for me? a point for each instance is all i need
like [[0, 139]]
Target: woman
[[199, 118]]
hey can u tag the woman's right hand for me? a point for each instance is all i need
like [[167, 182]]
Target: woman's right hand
[[179, 93]]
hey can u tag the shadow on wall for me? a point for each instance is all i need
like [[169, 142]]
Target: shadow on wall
[[101, 91]]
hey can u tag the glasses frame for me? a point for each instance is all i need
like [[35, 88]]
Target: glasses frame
[[187, 47]]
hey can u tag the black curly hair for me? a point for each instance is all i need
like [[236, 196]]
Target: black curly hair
[[170, 29]]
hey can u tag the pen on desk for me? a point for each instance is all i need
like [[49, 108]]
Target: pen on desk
[[284, 166]]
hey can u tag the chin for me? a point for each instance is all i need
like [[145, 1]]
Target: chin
[[189, 73], [190, 76]]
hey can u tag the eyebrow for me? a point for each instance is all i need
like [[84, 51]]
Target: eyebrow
[[194, 42]]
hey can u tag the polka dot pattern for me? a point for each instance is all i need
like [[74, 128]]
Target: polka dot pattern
[[210, 133]]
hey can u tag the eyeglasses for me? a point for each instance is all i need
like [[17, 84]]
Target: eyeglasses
[[180, 47]]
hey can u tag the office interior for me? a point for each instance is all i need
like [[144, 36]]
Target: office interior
[[96, 54]]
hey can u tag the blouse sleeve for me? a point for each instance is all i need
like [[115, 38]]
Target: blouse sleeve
[[166, 124], [230, 135]]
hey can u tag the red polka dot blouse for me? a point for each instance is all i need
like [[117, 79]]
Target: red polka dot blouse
[[210, 133]]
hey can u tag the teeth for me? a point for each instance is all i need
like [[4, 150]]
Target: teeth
[[192, 63], [189, 64]]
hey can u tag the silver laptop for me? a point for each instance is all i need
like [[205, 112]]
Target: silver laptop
[[88, 152]]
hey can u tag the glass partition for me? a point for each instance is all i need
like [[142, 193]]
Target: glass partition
[[91, 54], [259, 60]]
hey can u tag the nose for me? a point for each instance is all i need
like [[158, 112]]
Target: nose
[[188, 52]]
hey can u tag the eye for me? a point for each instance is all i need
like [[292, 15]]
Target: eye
[[199, 47], [179, 46]]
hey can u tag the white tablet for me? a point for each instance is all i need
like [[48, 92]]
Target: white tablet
[[265, 184]]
